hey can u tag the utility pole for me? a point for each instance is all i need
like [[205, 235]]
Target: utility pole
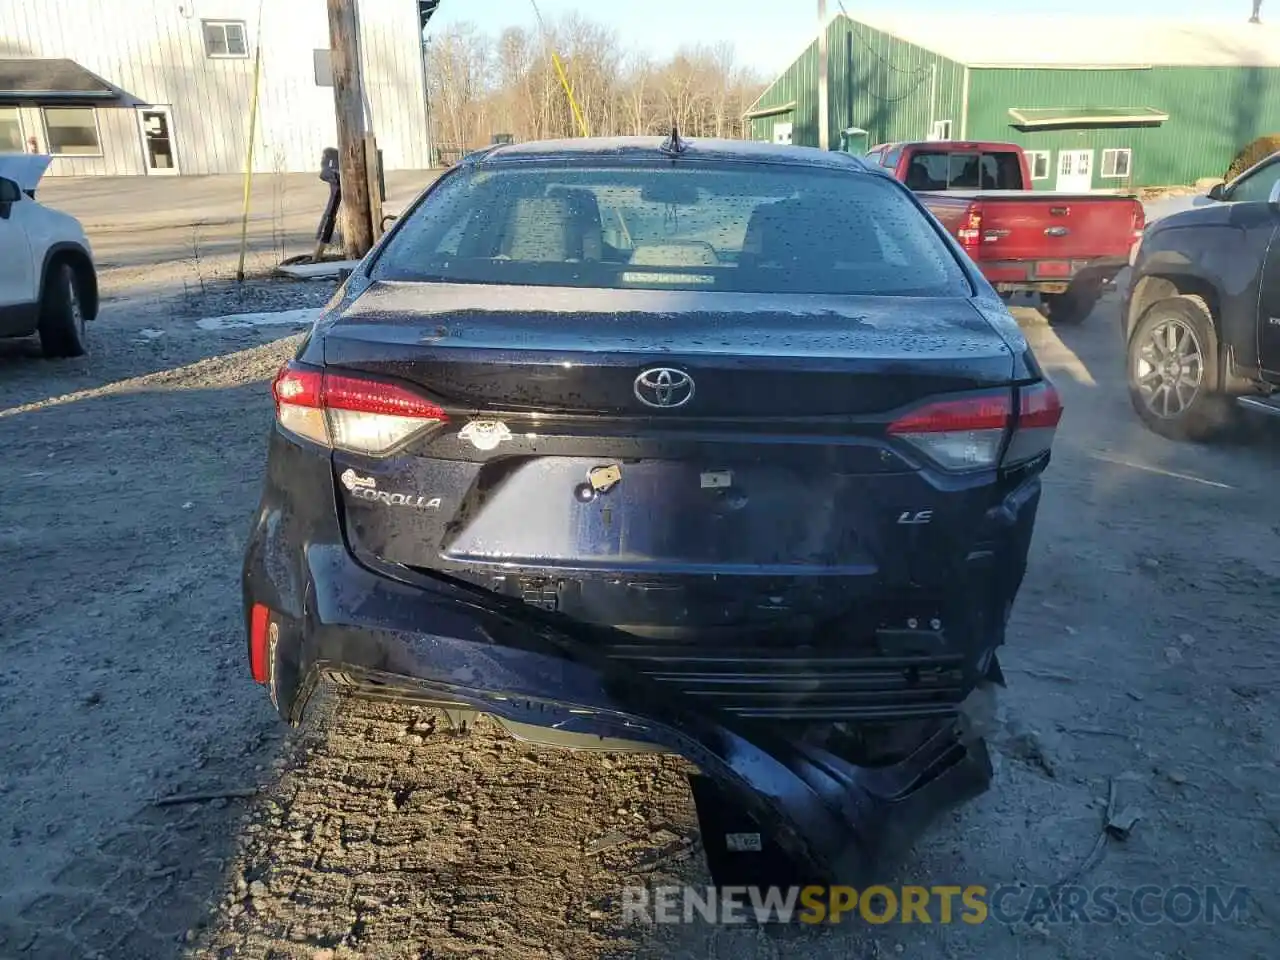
[[824, 106], [355, 213], [426, 8]]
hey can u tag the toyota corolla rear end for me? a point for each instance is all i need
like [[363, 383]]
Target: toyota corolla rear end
[[628, 449]]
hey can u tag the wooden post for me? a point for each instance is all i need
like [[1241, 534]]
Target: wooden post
[[375, 184], [355, 215], [824, 102]]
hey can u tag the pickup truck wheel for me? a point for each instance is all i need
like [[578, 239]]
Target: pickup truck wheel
[[1072, 307], [1174, 381], [62, 317]]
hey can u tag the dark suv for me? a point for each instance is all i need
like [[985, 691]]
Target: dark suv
[[717, 448], [1201, 317]]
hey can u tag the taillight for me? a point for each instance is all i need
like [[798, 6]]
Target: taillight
[[970, 234], [299, 403], [964, 434], [350, 413], [968, 433], [1039, 411], [1139, 221]]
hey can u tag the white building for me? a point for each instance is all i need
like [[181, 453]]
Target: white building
[[121, 87]]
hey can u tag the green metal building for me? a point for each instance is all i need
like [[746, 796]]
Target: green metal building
[[1101, 104]]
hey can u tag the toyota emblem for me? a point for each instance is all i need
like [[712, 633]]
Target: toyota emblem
[[664, 387]]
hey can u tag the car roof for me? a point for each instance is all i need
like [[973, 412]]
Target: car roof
[[586, 149], [987, 146]]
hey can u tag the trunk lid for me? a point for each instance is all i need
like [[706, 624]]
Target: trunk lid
[[24, 169], [563, 351], [772, 495]]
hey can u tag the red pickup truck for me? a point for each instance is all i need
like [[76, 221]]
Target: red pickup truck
[[1066, 247]]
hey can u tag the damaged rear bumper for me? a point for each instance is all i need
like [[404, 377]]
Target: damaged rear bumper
[[825, 819], [453, 646]]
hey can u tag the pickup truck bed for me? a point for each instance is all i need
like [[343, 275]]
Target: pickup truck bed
[[1063, 246]]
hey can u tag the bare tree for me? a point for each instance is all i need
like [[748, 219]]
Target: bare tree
[[482, 86], [457, 66], [637, 94]]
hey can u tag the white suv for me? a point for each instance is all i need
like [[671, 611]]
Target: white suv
[[48, 284]]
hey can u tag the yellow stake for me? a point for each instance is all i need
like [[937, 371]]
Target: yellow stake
[[564, 78], [568, 92]]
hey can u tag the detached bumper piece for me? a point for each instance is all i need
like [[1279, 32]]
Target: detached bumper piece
[[772, 811], [817, 817], [881, 813]]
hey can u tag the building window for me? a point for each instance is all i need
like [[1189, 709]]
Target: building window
[[941, 130], [782, 132], [72, 131], [1117, 163], [224, 38], [11, 131], [1039, 162]]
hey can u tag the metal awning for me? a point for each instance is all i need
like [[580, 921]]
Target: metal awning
[[35, 79], [773, 111], [1082, 116]]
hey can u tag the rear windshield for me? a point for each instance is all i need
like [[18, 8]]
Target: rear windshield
[[684, 226], [946, 170]]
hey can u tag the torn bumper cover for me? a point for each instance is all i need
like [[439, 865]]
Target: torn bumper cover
[[826, 819]]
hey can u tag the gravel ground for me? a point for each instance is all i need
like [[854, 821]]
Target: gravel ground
[[1142, 653]]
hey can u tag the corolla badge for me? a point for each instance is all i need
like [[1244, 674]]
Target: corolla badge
[[664, 387], [365, 488]]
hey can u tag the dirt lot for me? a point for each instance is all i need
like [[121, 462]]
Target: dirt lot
[[1143, 650], [164, 236]]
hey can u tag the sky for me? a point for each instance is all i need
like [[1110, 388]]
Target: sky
[[769, 34]]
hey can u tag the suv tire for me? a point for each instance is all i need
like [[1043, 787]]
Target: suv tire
[[1174, 374], [62, 319]]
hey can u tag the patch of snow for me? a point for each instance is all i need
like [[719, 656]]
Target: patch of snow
[[295, 318], [148, 333], [327, 270]]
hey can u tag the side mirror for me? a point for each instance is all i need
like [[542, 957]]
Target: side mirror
[[1218, 191], [1274, 197], [343, 273]]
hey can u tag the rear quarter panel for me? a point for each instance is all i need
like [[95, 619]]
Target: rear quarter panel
[[1215, 252], [948, 208]]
